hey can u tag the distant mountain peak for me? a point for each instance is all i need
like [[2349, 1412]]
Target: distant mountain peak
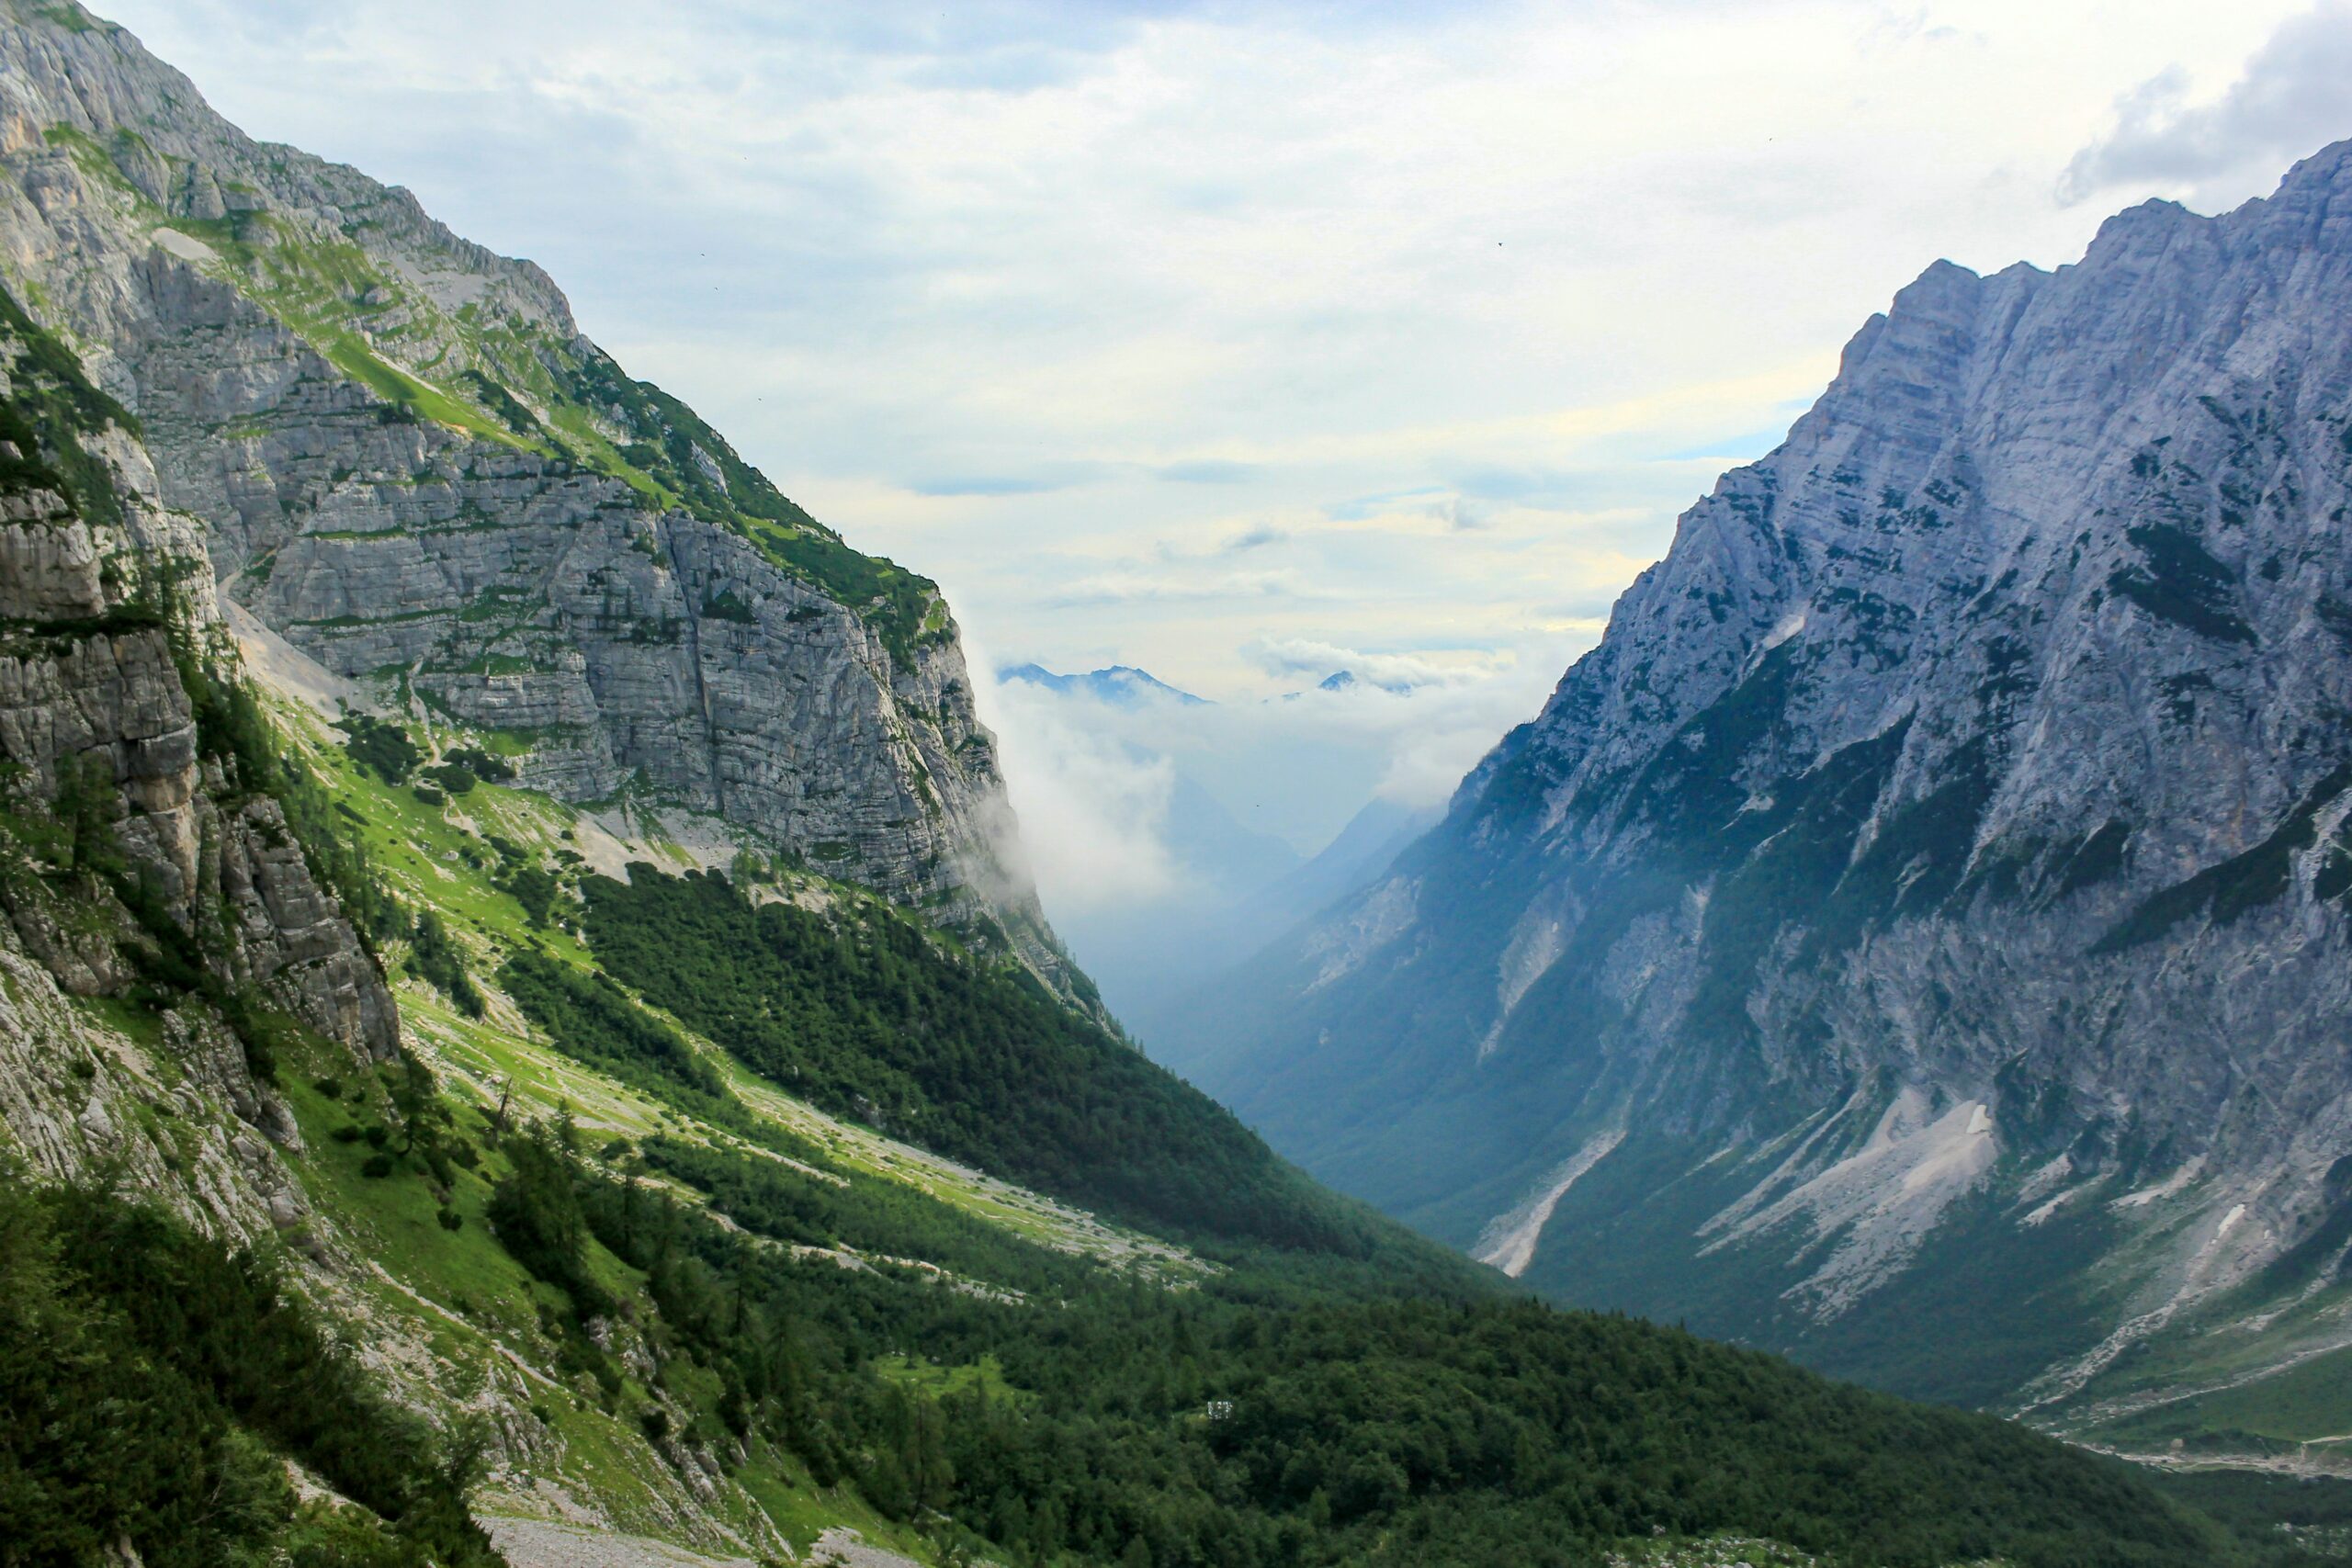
[[1122, 685], [1341, 682]]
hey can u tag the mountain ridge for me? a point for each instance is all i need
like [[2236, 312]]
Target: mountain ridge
[[418, 471], [1120, 684], [1874, 883]]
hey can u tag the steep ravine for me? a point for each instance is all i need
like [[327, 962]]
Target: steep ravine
[[399, 1154]]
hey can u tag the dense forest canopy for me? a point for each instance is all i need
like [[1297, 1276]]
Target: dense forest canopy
[[864, 1013]]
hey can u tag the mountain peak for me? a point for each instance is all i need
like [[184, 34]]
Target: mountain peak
[[1122, 685], [461, 487], [2000, 697], [2142, 231], [2331, 167]]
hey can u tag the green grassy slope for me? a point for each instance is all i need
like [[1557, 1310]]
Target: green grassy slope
[[586, 1192]]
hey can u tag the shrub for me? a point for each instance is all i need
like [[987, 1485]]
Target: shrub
[[455, 777], [384, 749], [534, 890], [483, 765], [535, 1212], [435, 958]]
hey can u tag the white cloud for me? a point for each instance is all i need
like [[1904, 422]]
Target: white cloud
[[2291, 99], [1163, 585], [1295, 765], [1092, 810], [1399, 672], [1017, 292]]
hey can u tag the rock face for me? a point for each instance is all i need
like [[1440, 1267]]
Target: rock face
[[405, 458], [150, 899], [1917, 936]]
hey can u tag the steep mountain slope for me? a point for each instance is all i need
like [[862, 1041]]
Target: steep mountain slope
[[1357, 855], [410, 464], [1158, 1009], [1917, 935], [171, 941], [120, 775]]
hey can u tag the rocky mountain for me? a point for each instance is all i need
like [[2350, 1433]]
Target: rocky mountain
[[1154, 982], [1916, 937], [407, 461], [1349, 680], [117, 775], [1358, 855], [1121, 685]]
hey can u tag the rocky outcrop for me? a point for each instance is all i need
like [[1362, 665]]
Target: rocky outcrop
[[1937, 875], [178, 1116], [153, 899], [107, 709], [407, 460]]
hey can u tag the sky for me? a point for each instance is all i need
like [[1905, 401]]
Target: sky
[[1247, 342]]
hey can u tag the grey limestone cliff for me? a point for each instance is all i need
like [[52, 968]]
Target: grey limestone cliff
[[405, 458], [156, 912], [1917, 935]]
